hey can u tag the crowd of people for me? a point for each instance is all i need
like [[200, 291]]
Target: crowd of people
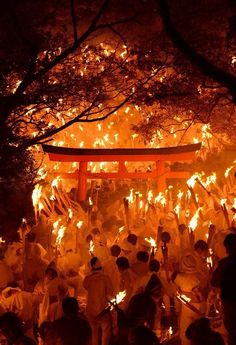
[[179, 287]]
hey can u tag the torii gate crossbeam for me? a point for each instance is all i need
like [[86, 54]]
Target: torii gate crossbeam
[[157, 155]]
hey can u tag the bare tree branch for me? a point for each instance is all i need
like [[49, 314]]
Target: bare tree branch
[[224, 78]]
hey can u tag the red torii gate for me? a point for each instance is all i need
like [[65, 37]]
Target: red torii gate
[[122, 155]]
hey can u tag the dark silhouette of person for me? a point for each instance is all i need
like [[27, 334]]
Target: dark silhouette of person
[[224, 277], [142, 335], [72, 328], [199, 332], [12, 328]]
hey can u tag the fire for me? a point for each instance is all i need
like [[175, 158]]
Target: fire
[[79, 224], [70, 213], [180, 194], [177, 209], [151, 241], [150, 196], [140, 204], [36, 195], [161, 199], [55, 225], [183, 298], [119, 297], [170, 330], [194, 220], [130, 198], [227, 171], [223, 201], [234, 204], [210, 179], [55, 182], [91, 247], [90, 201], [60, 235], [192, 180], [2, 241], [121, 229]]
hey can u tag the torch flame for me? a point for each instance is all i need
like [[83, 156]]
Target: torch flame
[[194, 220], [70, 213], [91, 247], [227, 171], [223, 201], [79, 224], [150, 196], [55, 182], [183, 298], [151, 241], [60, 234], [119, 297], [36, 194]]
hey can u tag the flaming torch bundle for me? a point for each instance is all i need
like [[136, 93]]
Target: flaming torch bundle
[[113, 303], [153, 244], [193, 223]]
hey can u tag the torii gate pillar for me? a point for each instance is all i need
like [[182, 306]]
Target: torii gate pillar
[[82, 180], [161, 176]]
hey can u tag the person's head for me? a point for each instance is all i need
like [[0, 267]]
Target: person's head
[[44, 329], [95, 231], [11, 326], [95, 264], [122, 263], [199, 332], [132, 238], [70, 306], [165, 237], [154, 265], [230, 244], [89, 238], [50, 273], [142, 256], [202, 248], [153, 287], [142, 335], [115, 250]]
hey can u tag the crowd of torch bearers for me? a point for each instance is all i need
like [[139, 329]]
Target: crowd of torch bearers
[[57, 205]]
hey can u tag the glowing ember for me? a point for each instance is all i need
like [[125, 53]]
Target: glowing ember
[[170, 330], [90, 201]]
